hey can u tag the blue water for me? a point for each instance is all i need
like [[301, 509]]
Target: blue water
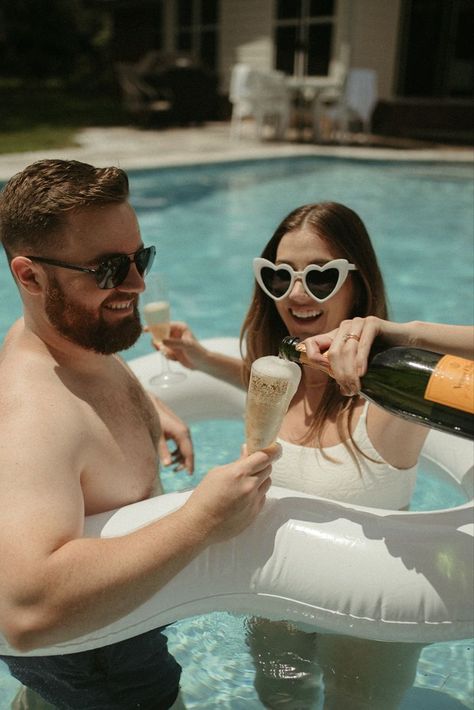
[[208, 222]]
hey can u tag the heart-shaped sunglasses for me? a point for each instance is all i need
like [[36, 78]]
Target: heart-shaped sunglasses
[[319, 282]]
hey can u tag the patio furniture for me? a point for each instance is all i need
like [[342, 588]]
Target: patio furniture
[[354, 105], [172, 86], [262, 96], [140, 98], [314, 93], [309, 96], [194, 92]]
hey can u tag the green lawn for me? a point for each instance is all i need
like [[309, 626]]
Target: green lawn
[[38, 117]]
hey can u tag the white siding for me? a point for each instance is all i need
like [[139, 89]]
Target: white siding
[[374, 40], [246, 35]]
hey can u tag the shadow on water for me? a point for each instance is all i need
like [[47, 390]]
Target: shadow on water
[[427, 699], [164, 188]]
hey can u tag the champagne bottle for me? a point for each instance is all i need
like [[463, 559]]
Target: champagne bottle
[[429, 388]]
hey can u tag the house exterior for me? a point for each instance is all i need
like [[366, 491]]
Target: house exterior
[[422, 50]]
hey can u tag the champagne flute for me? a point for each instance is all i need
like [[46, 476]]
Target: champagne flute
[[272, 386], [156, 312]]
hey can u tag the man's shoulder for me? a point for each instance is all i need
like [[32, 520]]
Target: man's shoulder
[[30, 380]]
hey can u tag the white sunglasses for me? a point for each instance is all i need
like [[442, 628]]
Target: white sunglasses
[[319, 282]]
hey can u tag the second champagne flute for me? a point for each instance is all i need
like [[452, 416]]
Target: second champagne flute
[[156, 312]]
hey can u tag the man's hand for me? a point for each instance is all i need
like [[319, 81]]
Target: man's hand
[[230, 497], [172, 427]]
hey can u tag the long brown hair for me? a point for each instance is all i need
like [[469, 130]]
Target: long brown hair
[[263, 329]]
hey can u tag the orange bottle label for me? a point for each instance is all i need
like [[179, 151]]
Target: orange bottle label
[[452, 383]]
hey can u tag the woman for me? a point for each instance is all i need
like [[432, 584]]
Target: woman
[[316, 275]]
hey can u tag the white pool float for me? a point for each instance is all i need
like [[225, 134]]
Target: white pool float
[[376, 574]]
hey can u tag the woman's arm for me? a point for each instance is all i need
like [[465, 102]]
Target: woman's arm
[[347, 347], [184, 347], [440, 337]]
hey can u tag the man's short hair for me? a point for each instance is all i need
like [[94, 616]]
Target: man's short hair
[[35, 202]]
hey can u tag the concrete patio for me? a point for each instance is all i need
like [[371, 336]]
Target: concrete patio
[[132, 148]]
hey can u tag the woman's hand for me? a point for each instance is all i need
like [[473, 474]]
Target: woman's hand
[[347, 349], [182, 346]]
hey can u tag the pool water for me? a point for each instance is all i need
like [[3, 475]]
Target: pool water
[[218, 667], [208, 222]]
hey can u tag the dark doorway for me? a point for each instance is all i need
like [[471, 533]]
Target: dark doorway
[[437, 53]]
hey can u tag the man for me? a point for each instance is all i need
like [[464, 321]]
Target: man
[[79, 435]]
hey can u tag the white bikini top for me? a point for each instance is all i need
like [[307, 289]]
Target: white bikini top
[[374, 483]]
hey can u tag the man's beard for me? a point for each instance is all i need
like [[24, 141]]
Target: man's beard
[[87, 328]]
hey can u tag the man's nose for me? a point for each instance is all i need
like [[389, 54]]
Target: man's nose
[[134, 281]]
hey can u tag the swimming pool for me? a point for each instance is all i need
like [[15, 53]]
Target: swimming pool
[[207, 223]]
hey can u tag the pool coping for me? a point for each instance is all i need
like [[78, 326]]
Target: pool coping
[[132, 148]]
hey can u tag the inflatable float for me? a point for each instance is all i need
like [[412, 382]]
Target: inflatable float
[[328, 566]]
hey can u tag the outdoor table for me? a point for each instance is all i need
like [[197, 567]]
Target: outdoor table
[[306, 91]]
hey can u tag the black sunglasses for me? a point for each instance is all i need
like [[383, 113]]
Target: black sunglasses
[[113, 270]]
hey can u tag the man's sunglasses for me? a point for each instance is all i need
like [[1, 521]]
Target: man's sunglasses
[[113, 270], [319, 282]]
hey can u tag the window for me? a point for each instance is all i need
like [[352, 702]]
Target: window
[[303, 36], [197, 29]]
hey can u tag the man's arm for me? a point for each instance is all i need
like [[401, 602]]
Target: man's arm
[[54, 584], [173, 427]]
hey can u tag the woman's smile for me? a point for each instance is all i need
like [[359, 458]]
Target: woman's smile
[[302, 314]]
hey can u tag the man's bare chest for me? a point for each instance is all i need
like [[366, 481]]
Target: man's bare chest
[[121, 434]]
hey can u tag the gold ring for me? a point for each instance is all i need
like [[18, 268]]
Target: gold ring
[[348, 336]]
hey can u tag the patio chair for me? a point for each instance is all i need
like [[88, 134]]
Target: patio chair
[[262, 96], [354, 106], [332, 96], [361, 95], [140, 98]]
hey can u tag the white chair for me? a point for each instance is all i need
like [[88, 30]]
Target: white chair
[[262, 96], [361, 94], [354, 105], [334, 94], [339, 68], [240, 96]]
